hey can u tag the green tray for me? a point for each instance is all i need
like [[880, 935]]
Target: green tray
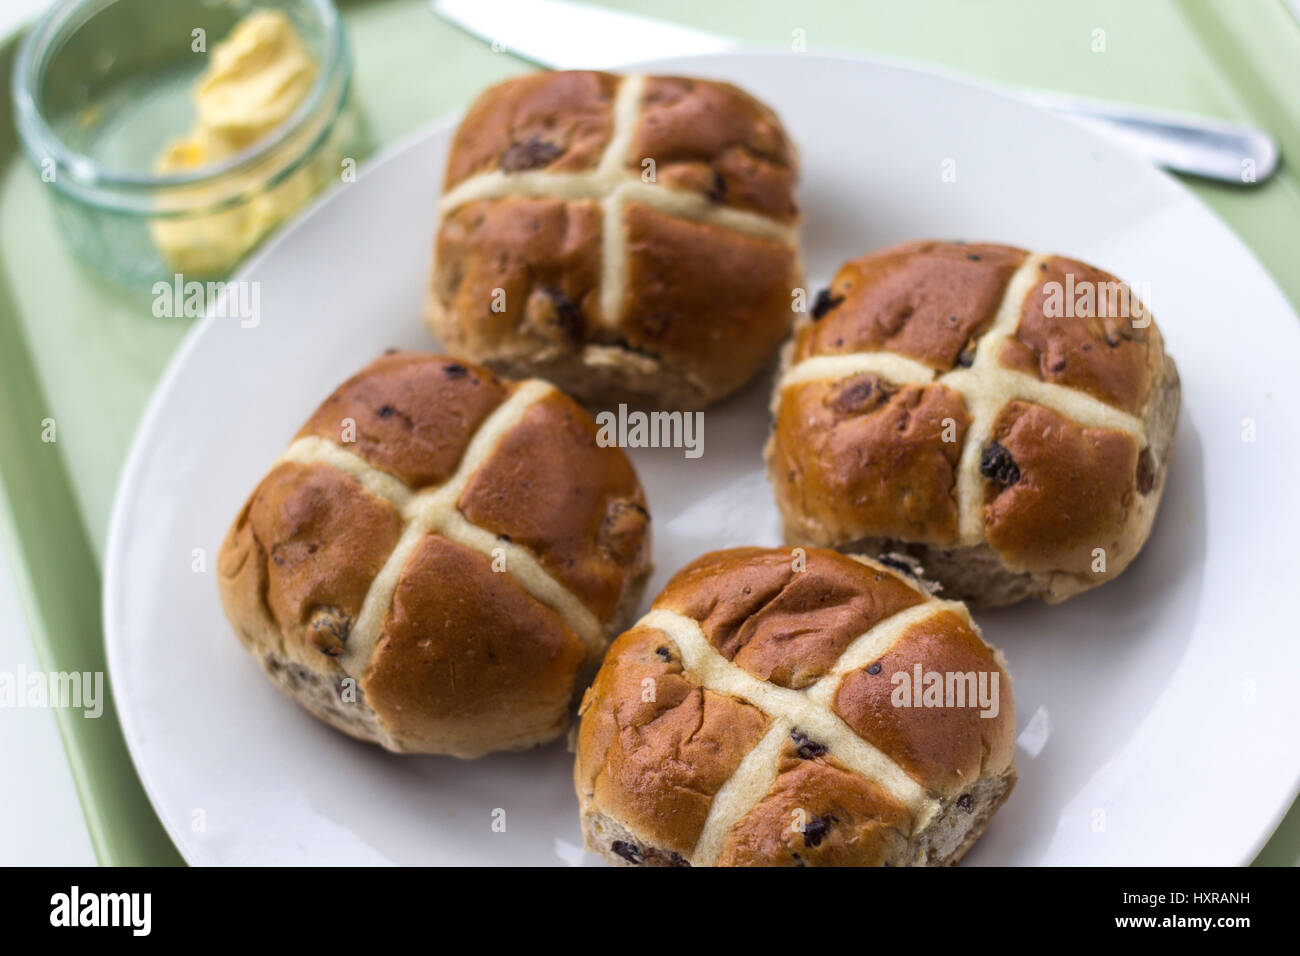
[[77, 350]]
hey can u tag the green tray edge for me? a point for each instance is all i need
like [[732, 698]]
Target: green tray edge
[[1256, 55], [59, 587]]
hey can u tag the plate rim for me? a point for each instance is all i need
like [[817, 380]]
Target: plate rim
[[129, 475]]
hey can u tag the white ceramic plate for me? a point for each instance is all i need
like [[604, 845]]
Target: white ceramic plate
[[1158, 713]]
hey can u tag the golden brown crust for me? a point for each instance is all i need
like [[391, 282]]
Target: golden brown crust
[[696, 293], [819, 814], [926, 300], [1074, 357], [867, 457], [716, 140], [653, 746], [708, 301], [460, 651], [683, 757], [557, 121], [320, 539], [780, 624], [521, 275], [944, 748], [1093, 341], [1079, 482], [445, 675], [408, 417], [550, 487]]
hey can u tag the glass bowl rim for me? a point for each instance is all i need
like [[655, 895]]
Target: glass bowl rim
[[119, 189]]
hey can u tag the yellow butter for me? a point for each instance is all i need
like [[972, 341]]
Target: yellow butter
[[255, 80]]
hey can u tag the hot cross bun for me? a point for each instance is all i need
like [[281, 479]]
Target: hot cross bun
[[630, 238], [1003, 417], [437, 557], [758, 716]]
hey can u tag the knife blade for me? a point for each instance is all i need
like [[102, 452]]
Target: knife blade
[[571, 36]]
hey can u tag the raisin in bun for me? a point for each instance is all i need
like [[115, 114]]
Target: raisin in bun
[[436, 557], [754, 718], [630, 238], [958, 404]]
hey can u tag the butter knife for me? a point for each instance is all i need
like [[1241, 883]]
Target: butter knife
[[572, 36]]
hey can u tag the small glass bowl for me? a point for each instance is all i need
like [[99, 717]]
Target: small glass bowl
[[102, 86]]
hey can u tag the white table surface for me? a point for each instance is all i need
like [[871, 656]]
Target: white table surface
[[40, 814]]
